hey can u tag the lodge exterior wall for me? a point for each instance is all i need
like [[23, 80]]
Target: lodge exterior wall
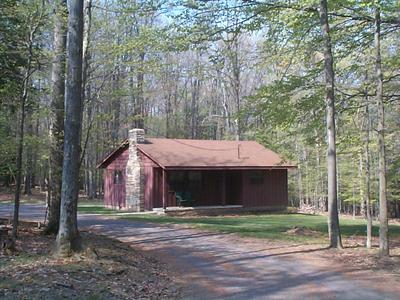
[[114, 194], [271, 192]]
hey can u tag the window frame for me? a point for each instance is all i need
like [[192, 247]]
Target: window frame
[[118, 177]]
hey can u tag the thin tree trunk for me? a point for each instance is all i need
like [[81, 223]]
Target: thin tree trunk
[[383, 209], [116, 109], [24, 96], [68, 238], [57, 116], [368, 172], [361, 182], [19, 157], [299, 176], [236, 87], [195, 90], [29, 154], [168, 115], [333, 217], [139, 109]]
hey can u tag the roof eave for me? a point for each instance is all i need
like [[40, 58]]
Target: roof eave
[[172, 168], [110, 157]]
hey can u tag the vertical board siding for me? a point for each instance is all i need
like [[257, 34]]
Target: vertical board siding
[[273, 191], [114, 194], [149, 189], [156, 188]]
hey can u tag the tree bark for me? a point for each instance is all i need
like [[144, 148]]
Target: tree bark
[[368, 172], [57, 115], [333, 217], [29, 153], [236, 85], [383, 210], [68, 238], [20, 149], [139, 105]]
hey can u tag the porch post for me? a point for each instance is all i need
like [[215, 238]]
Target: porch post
[[224, 187], [164, 189]]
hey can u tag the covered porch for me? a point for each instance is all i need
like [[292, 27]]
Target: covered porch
[[202, 189]]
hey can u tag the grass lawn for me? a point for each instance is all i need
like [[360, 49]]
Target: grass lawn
[[269, 226], [96, 208]]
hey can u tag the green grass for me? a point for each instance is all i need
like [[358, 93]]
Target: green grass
[[24, 201], [96, 208], [268, 226]]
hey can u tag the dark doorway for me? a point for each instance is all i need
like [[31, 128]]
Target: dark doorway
[[234, 188]]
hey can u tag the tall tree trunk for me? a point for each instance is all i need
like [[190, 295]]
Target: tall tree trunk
[[361, 181], [236, 86], [333, 217], [168, 113], [85, 44], [116, 109], [68, 238], [368, 172], [383, 210], [195, 87], [139, 109], [19, 156], [57, 115], [299, 176], [29, 153]]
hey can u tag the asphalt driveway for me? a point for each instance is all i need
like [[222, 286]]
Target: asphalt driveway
[[222, 266]]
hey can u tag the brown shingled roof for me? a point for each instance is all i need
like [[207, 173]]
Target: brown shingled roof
[[207, 154]]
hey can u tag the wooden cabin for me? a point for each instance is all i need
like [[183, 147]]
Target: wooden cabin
[[148, 173]]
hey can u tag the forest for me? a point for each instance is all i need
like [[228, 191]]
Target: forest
[[317, 81]]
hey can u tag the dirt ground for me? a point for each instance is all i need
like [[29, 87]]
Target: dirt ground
[[107, 269]]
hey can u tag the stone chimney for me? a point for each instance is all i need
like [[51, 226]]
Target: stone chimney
[[135, 173]]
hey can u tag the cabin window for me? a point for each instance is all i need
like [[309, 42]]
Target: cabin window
[[118, 177], [257, 177]]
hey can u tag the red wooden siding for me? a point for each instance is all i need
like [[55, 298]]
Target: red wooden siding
[[271, 192], [114, 194], [148, 166], [156, 187]]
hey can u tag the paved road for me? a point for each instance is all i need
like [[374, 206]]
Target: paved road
[[218, 266]]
